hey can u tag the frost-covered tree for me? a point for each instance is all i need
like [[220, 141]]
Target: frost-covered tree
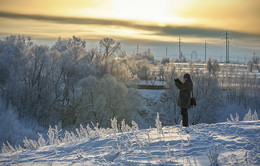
[[40, 81], [143, 71], [16, 55], [101, 100], [110, 47], [96, 67], [254, 63], [120, 69], [72, 61], [212, 66], [165, 60], [161, 72], [146, 55]]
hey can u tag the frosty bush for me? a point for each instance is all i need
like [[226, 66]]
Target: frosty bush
[[6, 148], [125, 127], [251, 117], [232, 119], [100, 100], [30, 144], [70, 137], [248, 117], [82, 132], [54, 135], [12, 128], [212, 66]]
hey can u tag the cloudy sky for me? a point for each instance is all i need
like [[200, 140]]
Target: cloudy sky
[[149, 23]]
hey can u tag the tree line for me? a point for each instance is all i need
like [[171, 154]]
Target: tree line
[[69, 84]]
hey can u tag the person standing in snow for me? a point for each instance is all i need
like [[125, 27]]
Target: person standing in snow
[[184, 100]]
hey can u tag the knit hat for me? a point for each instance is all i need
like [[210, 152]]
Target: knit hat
[[186, 76]]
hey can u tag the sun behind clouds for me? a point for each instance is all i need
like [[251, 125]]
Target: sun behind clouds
[[163, 20]]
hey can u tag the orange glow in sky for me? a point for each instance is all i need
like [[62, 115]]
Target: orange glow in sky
[[161, 20]]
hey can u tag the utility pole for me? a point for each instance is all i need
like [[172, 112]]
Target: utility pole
[[205, 51], [227, 38], [179, 45], [166, 51], [181, 58]]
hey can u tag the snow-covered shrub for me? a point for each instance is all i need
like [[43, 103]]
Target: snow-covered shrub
[[248, 116], [143, 71], [125, 127], [165, 60], [54, 135], [8, 148], [120, 68], [255, 116], [82, 132], [30, 144], [12, 128], [212, 66], [232, 119], [100, 100], [69, 137], [251, 117]]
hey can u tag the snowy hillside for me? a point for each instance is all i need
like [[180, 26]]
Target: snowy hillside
[[226, 143]]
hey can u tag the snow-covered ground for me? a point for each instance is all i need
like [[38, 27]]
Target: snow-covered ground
[[230, 143]]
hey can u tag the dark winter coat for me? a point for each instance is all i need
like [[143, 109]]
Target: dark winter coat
[[185, 93]]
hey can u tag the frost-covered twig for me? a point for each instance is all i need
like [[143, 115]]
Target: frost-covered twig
[[213, 154], [125, 127], [41, 140], [30, 144], [251, 117], [114, 125], [158, 124], [134, 126], [53, 135], [232, 119], [7, 148]]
